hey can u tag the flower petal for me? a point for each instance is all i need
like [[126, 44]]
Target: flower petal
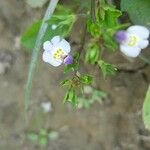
[[143, 44], [121, 36], [68, 60], [140, 31], [47, 57], [47, 46], [65, 46], [55, 40], [130, 51]]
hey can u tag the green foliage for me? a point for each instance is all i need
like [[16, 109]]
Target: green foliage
[[33, 137], [110, 17], [71, 97], [71, 67], [92, 53], [42, 137], [110, 43], [107, 69], [94, 28], [105, 26], [146, 110], [102, 29], [36, 3], [98, 95], [138, 11], [29, 36], [95, 96], [85, 79], [74, 84], [66, 82], [102, 32], [62, 21]]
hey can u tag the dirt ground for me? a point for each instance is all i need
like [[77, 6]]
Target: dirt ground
[[116, 124]]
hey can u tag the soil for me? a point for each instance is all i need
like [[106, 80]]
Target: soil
[[116, 124]]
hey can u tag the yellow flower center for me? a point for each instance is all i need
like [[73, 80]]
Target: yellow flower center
[[133, 40], [58, 54]]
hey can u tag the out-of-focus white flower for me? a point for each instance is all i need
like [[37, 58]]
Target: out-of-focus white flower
[[54, 26], [57, 52], [133, 40], [47, 106]]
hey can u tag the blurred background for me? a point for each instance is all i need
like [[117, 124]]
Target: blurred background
[[110, 123]]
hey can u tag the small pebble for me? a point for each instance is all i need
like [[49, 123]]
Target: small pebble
[[46, 106], [6, 61]]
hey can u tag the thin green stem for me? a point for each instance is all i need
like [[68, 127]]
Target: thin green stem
[[146, 60], [36, 50]]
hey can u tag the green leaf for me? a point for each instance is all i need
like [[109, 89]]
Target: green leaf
[[83, 103], [71, 97], [43, 141], [87, 102], [107, 69], [62, 20], [43, 132], [138, 11], [146, 110], [63, 23], [29, 36], [36, 3], [86, 79], [98, 96], [92, 53], [109, 42], [33, 137], [71, 67], [65, 82], [93, 28], [111, 16]]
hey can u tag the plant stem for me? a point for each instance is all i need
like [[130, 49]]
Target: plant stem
[[93, 10], [146, 60], [36, 50]]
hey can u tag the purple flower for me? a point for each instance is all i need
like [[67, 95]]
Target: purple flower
[[121, 36], [68, 59], [133, 40]]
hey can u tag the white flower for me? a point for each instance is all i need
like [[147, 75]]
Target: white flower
[[57, 51], [47, 106], [133, 40]]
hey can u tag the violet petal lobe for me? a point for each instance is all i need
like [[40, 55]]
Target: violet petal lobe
[[120, 36], [68, 59]]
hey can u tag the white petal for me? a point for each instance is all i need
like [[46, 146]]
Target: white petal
[[143, 44], [47, 57], [47, 46], [130, 51], [140, 31], [65, 46], [55, 40]]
